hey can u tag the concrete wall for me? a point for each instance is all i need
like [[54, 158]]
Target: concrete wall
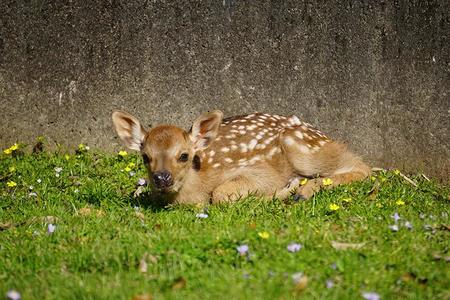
[[372, 73]]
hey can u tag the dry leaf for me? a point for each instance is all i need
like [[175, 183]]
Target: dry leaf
[[143, 297], [138, 191], [143, 267], [301, 284], [345, 246], [152, 258], [445, 227], [179, 283], [408, 276], [252, 225], [157, 226], [139, 215], [4, 226], [87, 211], [437, 256]]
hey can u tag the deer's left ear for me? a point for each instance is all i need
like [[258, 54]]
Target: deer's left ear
[[205, 129]]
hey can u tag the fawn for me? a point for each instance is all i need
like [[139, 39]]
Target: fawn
[[225, 159]]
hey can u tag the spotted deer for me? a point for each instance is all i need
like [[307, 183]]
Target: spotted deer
[[224, 159]]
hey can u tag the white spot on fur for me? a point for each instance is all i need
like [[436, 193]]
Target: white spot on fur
[[303, 149], [215, 166], [241, 127], [212, 153], [228, 160], [289, 141], [252, 144], [272, 152], [243, 147], [225, 149], [242, 132], [294, 120], [210, 160], [234, 147], [321, 143], [260, 124], [299, 134]]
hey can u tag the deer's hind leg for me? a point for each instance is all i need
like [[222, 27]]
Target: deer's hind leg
[[315, 156]]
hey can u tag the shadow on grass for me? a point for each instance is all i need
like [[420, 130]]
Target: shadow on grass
[[149, 201]]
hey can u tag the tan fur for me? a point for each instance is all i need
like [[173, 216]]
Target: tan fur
[[259, 153]]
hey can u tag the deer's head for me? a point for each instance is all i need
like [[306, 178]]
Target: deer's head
[[168, 152]]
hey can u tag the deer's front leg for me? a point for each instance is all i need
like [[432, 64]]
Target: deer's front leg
[[232, 190]]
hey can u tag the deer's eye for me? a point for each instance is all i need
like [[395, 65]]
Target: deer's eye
[[146, 158], [184, 157]]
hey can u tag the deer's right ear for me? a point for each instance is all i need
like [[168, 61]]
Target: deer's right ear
[[205, 129], [128, 129]]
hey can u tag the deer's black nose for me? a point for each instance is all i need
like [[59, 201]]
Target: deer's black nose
[[162, 179]]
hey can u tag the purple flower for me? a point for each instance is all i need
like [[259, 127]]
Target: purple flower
[[242, 249], [329, 283], [141, 181], [201, 216], [408, 225], [51, 228], [393, 227], [396, 217], [294, 247], [13, 295], [334, 266], [370, 296]]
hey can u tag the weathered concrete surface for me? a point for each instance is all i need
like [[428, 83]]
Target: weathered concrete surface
[[372, 73]]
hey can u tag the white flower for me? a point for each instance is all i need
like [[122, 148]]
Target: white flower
[[13, 295], [51, 228]]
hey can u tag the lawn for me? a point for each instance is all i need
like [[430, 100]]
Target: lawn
[[81, 226]]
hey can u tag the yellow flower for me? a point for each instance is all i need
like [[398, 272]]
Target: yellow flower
[[264, 235], [400, 202], [67, 156], [123, 153], [131, 165], [81, 147], [373, 178], [327, 181], [127, 169], [397, 172], [11, 184], [12, 169], [333, 207], [304, 181], [11, 149], [379, 205], [347, 200]]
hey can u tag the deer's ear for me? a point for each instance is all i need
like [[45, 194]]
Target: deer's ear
[[128, 129], [205, 129]]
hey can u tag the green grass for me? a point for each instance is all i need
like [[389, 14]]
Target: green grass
[[96, 255]]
